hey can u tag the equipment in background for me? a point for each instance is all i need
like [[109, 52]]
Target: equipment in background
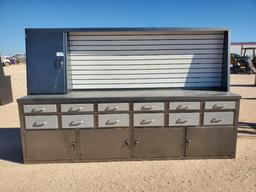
[[5, 88]]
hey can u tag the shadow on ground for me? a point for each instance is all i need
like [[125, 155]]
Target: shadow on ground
[[10, 145], [247, 128], [242, 85]]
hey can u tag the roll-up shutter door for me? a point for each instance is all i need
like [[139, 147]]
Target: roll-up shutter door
[[109, 60]]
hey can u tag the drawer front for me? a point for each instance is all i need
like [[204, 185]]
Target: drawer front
[[111, 107], [184, 119], [39, 108], [41, 122], [148, 106], [218, 118], [77, 121], [220, 105], [183, 106], [114, 120], [148, 119], [76, 108]]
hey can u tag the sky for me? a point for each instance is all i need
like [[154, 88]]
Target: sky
[[16, 15]]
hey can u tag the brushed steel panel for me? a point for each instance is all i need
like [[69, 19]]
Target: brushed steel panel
[[77, 121], [148, 106], [183, 106], [39, 108], [41, 122], [76, 107], [218, 118], [113, 120], [220, 105], [184, 119], [149, 119]]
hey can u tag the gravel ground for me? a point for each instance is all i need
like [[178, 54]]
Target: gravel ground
[[170, 175]]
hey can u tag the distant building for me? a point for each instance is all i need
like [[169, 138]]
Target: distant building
[[236, 47]]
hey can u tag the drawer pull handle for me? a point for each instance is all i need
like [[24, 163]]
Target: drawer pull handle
[[136, 142], [180, 107], [215, 106], [145, 108], [38, 111], [74, 124], [147, 122], [214, 120], [112, 108], [39, 124], [75, 110], [112, 122], [180, 121]]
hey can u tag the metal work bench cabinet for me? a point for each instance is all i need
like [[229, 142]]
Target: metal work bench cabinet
[[127, 94]]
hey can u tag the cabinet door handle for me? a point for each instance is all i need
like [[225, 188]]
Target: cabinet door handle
[[215, 106], [112, 122], [73, 143], [147, 122], [181, 121], [145, 108], [136, 142], [75, 110], [180, 107], [111, 108], [38, 111], [39, 124], [73, 124], [214, 120], [127, 142], [188, 140]]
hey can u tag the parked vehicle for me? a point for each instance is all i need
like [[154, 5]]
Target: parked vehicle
[[5, 61]]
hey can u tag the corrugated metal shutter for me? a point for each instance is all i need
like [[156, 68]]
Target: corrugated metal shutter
[[108, 60]]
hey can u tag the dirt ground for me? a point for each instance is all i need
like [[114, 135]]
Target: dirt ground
[[169, 175]]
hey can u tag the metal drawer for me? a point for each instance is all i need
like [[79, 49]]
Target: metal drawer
[[184, 119], [183, 106], [76, 107], [77, 121], [41, 122], [148, 106], [220, 105], [114, 120], [218, 118], [149, 119], [111, 107], [39, 108]]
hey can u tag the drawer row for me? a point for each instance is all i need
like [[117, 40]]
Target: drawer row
[[145, 106], [124, 120]]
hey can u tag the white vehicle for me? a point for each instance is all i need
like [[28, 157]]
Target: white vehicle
[[5, 61]]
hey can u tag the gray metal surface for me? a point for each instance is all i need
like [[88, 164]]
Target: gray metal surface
[[149, 106], [104, 143], [159, 142], [219, 118], [41, 122], [50, 145], [148, 119], [110, 107], [76, 107], [215, 141], [184, 119], [183, 106], [220, 105], [5, 90], [77, 121], [39, 108], [113, 120]]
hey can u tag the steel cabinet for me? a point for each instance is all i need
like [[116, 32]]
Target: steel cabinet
[[159, 142], [210, 141], [109, 143], [50, 145], [45, 62]]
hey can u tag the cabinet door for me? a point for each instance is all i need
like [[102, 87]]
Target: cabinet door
[[213, 141], [159, 142], [104, 143], [50, 145], [45, 62]]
